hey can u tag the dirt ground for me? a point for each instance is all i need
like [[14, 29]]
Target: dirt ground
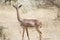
[[50, 28]]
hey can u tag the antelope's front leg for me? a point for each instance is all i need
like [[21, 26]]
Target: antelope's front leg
[[27, 33], [23, 34]]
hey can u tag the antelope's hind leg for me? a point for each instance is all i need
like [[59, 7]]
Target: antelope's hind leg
[[27, 34], [40, 33]]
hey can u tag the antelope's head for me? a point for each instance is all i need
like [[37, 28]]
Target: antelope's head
[[17, 7]]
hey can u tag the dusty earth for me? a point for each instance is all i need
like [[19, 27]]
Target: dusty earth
[[50, 28]]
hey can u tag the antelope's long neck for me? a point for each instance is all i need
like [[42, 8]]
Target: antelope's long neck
[[18, 16]]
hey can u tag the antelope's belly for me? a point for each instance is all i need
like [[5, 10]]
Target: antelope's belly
[[30, 24]]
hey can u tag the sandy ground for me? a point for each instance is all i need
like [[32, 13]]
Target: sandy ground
[[50, 28]]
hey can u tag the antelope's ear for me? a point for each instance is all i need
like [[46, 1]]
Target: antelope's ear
[[14, 6], [20, 6]]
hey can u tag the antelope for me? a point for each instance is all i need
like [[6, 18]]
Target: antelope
[[26, 23]]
